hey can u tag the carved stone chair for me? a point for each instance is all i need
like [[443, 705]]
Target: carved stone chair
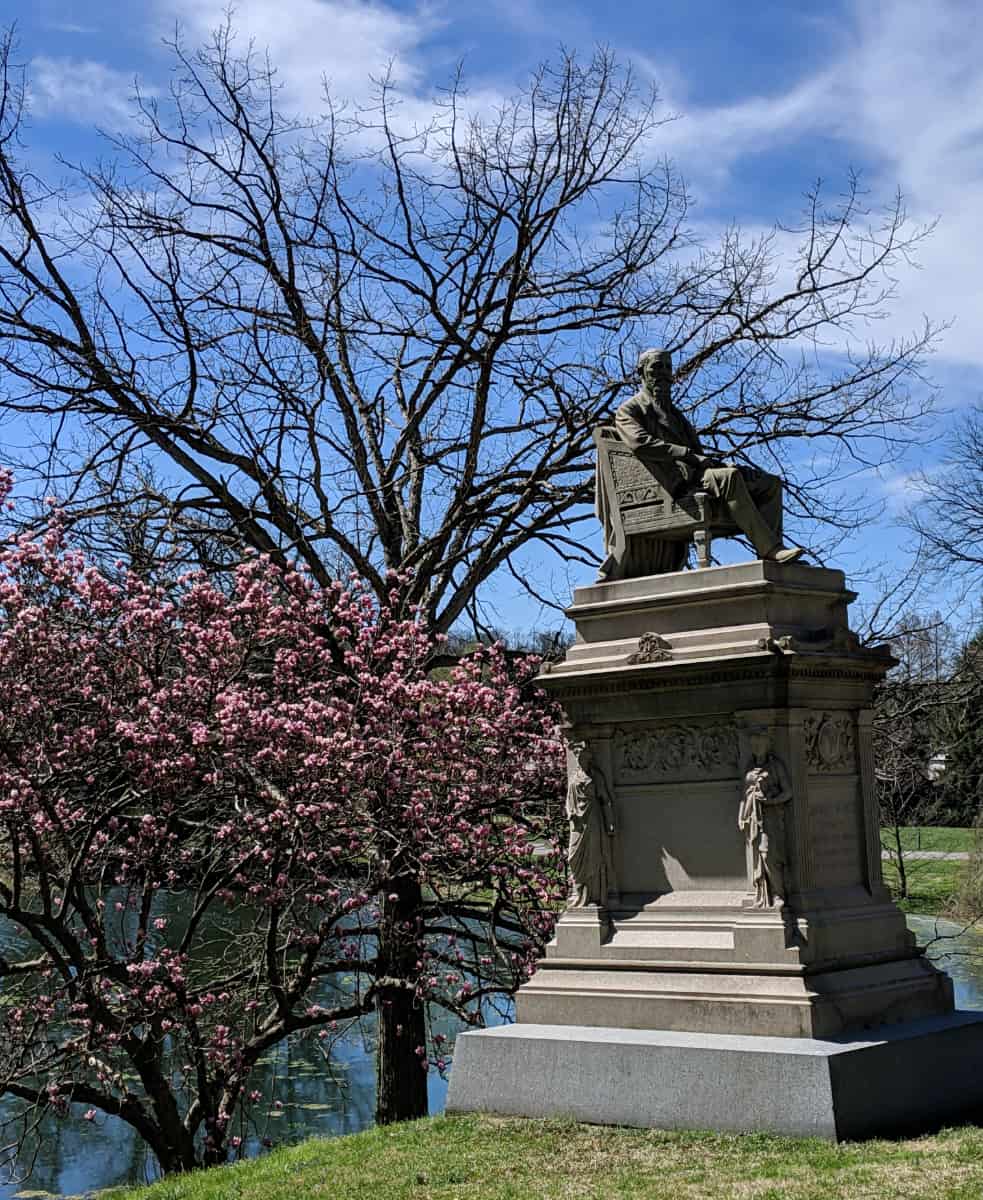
[[632, 502]]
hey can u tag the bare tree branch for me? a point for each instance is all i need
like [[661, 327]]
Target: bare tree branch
[[380, 347]]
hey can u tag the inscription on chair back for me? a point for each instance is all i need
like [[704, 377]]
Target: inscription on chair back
[[643, 502], [634, 483]]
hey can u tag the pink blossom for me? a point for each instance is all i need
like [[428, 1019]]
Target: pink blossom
[[255, 747]]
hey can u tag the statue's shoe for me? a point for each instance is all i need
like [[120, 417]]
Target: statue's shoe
[[785, 554]]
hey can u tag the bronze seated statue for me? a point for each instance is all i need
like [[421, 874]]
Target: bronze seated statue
[[657, 491], [647, 531]]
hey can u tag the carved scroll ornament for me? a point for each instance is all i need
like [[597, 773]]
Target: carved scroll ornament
[[830, 742], [651, 649]]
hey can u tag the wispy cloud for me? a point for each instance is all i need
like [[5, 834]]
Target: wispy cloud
[[69, 27], [710, 141], [339, 49], [902, 96], [79, 90], [341, 43]]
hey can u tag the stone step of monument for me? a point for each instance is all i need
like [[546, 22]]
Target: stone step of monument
[[741, 640], [676, 964], [746, 999], [602, 655], [682, 903], [659, 950], [685, 926], [722, 927], [756, 608], [907, 1077], [700, 902], [669, 958], [688, 937], [806, 584], [689, 943]]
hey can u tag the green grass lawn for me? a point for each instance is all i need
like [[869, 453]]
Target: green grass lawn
[[931, 837], [484, 1158], [933, 885]]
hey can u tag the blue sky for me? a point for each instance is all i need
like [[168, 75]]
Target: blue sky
[[769, 95]]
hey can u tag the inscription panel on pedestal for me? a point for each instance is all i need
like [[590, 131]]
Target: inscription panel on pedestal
[[680, 837], [677, 795], [837, 832]]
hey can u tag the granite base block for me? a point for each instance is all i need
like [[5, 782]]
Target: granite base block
[[904, 1078]]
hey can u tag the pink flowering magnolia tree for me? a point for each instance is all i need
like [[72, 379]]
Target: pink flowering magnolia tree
[[216, 806]]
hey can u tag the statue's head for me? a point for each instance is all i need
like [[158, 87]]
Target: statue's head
[[759, 740], [582, 753], [655, 369]]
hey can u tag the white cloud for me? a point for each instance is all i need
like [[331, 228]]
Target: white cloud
[[903, 93], [343, 42], [898, 88], [708, 142], [895, 488], [344, 46], [70, 27], [916, 90], [79, 90]]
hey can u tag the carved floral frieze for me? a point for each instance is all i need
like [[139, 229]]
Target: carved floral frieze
[[665, 752], [830, 742]]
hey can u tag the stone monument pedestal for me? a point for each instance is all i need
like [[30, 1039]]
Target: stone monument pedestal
[[907, 1078], [731, 958]]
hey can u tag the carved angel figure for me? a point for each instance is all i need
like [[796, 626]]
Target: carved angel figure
[[591, 814], [761, 818]]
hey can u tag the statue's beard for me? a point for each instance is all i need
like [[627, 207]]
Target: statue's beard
[[660, 391]]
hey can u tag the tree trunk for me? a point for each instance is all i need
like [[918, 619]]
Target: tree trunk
[[174, 1161], [401, 1080], [902, 873], [175, 1145], [175, 1151]]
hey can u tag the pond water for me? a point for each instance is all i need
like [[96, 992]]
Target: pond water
[[72, 1157], [77, 1157]]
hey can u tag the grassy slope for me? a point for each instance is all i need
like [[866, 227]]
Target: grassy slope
[[931, 837], [933, 885], [483, 1158]]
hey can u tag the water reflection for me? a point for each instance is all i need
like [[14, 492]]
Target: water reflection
[[73, 1156], [76, 1157], [958, 950]]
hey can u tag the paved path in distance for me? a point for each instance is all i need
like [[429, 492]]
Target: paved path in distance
[[926, 855]]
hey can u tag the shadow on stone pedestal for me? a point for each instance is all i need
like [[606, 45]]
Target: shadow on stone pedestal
[[728, 716]]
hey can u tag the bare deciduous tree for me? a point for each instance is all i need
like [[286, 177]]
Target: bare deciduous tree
[[372, 346], [915, 711], [948, 514]]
